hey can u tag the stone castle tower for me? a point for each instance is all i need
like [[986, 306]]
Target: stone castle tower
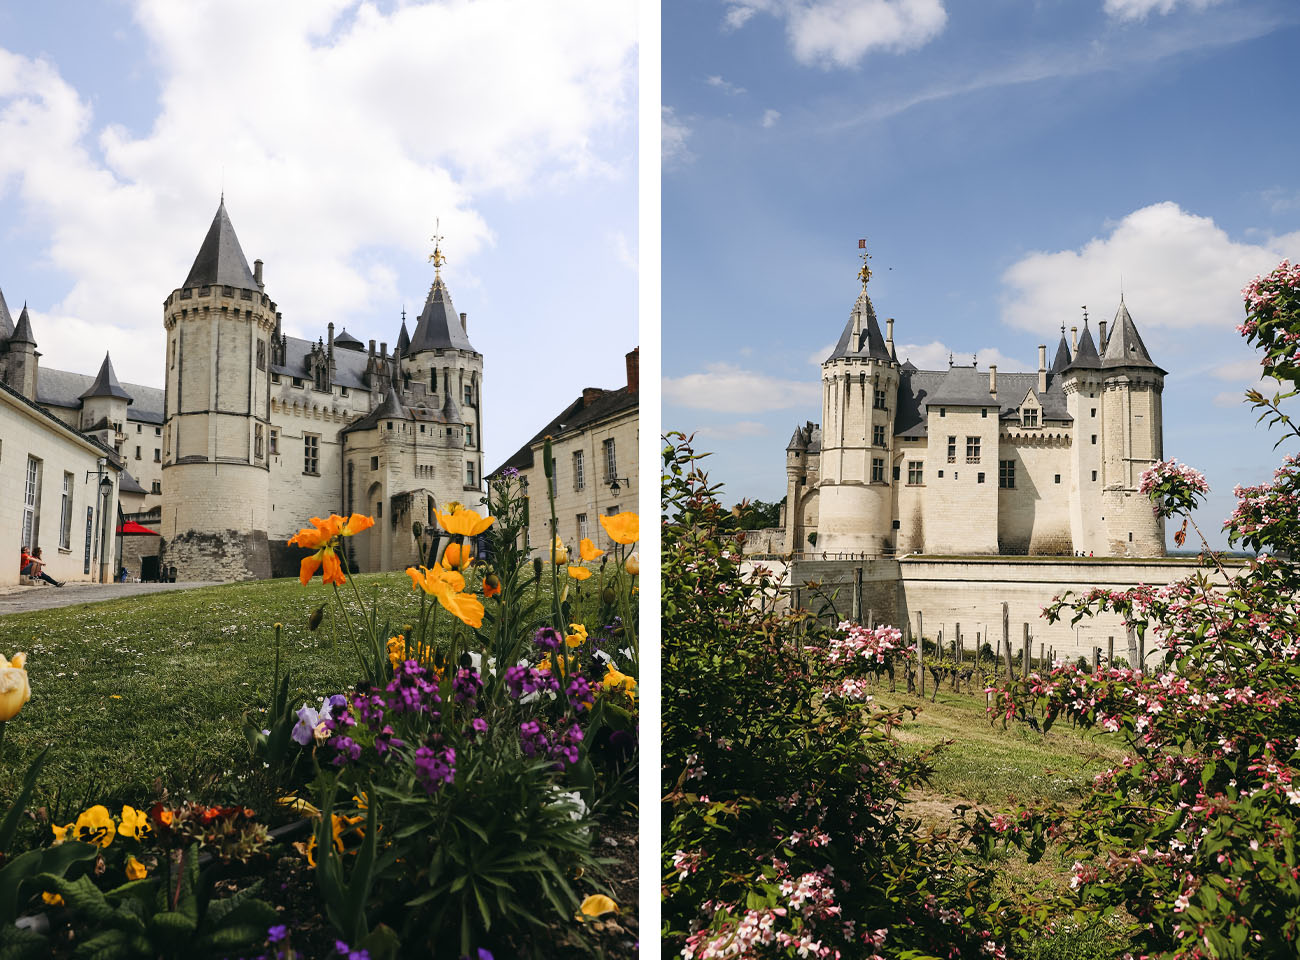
[[262, 431], [215, 472], [961, 461]]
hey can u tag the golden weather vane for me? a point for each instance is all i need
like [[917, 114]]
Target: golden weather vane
[[436, 257], [865, 273]]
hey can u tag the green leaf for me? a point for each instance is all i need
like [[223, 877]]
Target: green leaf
[[9, 825]]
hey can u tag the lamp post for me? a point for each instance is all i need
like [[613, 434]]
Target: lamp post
[[105, 490]]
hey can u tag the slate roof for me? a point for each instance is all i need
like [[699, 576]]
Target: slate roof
[[110, 454], [968, 386], [62, 388], [129, 484], [1062, 356], [427, 409], [869, 342], [808, 437], [6, 321], [346, 341], [23, 331], [572, 419], [403, 339], [106, 384], [439, 325], [1086, 356], [221, 260], [349, 364], [1124, 346]]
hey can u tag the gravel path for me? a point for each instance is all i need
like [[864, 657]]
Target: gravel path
[[23, 599]]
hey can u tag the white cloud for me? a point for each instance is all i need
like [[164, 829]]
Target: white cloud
[[818, 356], [622, 250], [934, 356], [675, 135], [336, 129], [770, 117], [1141, 9], [727, 388], [726, 86], [1242, 370], [1179, 271], [741, 428], [839, 33]]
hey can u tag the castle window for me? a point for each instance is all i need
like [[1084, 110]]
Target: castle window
[[297, 382], [390, 425], [311, 454], [1007, 474], [972, 449], [65, 516], [261, 354], [579, 474], [157, 431], [422, 428], [898, 525], [940, 474], [469, 436], [1058, 478], [157, 455], [138, 429], [1130, 536], [896, 473], [878, 400], [952, 449], [157, 487], [877, 470], [137, 453], [433, 380], [611, 461], [984, 412], [1094, 411], [31, 503], [258, 440], [379, 509], [469, 473], [582, 526], [469, 394], [275, 378], [1029, 416], [374, 463], [943, 411], [275, 441], [914, 473], [877, 436], [1094, 476], [980, 478]]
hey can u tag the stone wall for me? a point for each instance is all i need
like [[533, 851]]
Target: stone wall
[[228, 555]]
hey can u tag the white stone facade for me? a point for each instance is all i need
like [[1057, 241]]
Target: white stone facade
[[966, 461]]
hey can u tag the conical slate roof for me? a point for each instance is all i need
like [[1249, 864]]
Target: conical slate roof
[[391, 408], [106, 384], [6, 321], [403, 339], [1062, 355], [1124, 346], [1086, 356], [221, 261], [869, 342], [798, 441], [23, 332], [346, 341], [439, 325]]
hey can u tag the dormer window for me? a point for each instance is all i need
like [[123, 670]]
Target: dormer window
[[1029, 416]]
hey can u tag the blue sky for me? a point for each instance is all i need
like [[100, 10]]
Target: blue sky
[[340, 132], [1008, 161]]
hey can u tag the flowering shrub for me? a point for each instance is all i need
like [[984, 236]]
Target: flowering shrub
[[783, 832], [1190, 842]]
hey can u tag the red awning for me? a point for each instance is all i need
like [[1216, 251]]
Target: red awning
[[131, 527]]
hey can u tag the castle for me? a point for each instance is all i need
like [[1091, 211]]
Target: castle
[[256, 431], [964, 461]]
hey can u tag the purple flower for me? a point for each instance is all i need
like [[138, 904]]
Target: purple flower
[[479, 724], [410, 691], [467, 685], [531, 738], [548, 638], [580, 693], [433, 768], [346, 750], [277, 933], [345, 951], [385, 741]]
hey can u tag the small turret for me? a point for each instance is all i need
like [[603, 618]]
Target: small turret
[[20, 363]]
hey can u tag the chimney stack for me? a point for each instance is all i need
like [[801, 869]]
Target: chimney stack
[[383, 352], [1101, 344], [1074, 340], [331, 338], [889, 335], [464, 325], [1042, 368], [634, 370], [372, 349], [257, 274], [993, 379], [590, 395]]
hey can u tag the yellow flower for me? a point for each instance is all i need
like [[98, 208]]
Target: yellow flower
[[598, 904], [632, 565], [61, 833], [578, 637], [321, 539], [396, 650], [135, 823], [559, 552], [622, 527], [614, 681], [456, 557], [462, 522], [447, 586], [14, 688], [52, 899], [579, 573], [96, 826], [135, 870], [588, 550], [297, 805]]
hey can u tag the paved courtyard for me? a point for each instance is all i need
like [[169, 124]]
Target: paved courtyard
[[23, 599]]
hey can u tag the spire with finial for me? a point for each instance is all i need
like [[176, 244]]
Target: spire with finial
[[436, 257], [865, 273]]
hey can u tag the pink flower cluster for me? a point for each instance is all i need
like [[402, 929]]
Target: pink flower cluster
[[1261, 291], [1166, 470], [861, 645]]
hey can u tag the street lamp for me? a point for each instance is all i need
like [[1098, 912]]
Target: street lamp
[[613, 484]]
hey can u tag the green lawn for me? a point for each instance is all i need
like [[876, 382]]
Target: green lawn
[[149, 692]]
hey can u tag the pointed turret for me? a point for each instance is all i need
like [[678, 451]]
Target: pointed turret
[[1062, 355], [403, 338], [6, 321], [439, 325], [23, 331], [1086, 356], [391, 408], [1124, 347], [221, 261], [106, 384], [862, 336]]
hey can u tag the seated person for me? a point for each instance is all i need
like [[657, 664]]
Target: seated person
[[23, 561], [35, 568]]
